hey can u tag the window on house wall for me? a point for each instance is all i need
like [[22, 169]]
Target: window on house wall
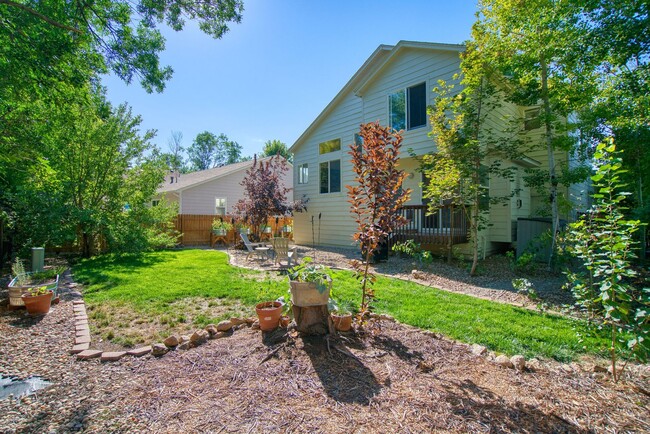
[[407, 109], [155, 202], [532, 119], [484, 185], [220, 206], [329, 146], [303, 173], [330, 176]]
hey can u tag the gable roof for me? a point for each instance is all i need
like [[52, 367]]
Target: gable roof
[[192, 179], [373, 66]]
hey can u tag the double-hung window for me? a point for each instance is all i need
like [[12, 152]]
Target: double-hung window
[[329, 171], [303, 173], [407, 108], [220, 206]]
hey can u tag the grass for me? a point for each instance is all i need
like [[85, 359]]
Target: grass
[[145, 297]]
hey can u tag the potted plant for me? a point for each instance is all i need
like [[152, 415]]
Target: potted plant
[[264, 228], [242, 228], [24, 281], [37, 300], [287, 228], [310, 284], [268, 313], [220, 227], [341, 314]]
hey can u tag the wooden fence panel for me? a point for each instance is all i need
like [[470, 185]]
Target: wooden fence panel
[[195, 229]]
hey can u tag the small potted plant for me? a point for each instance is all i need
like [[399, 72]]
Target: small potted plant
[[287, 228], [310, 284], [220, 227], [37, 300], [268, 314], [242, 228], [24, 281], [264, 228], [341, 314]]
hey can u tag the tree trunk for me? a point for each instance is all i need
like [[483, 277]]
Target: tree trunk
[[555, 213], [313, 320]]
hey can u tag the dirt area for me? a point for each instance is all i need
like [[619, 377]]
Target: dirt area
[[400, 380]]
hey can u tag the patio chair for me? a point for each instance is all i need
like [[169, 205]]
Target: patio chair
[[250, 246], [282, 251]]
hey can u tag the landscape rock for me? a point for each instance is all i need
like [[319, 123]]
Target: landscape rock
[[159, 349], [138, 352], [255, 325], [79, 348], [597, 369], [519, 362], [184, 345], [504, 361], [251, 320], [112, 356], [199, 337], [211, 329], [183, 339], [171, 341], [478, 350], [237, 321], [89, 354], [82, 340], [534, 364], [224, 326], [220, 335]]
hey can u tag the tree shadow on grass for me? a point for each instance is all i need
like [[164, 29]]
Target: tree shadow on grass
[[344, 377], [481, 407]]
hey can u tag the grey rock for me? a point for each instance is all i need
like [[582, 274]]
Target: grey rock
[[503, 361], [184, 345], [519, 362], [159, 349]]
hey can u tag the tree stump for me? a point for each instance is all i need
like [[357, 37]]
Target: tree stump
[[313, 320]]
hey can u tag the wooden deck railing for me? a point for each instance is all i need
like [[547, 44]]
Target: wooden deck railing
[[446, 227]]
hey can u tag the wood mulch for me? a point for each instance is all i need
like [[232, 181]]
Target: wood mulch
[[401, 379]]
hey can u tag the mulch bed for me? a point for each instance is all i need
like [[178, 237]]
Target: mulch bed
[[401, 379]]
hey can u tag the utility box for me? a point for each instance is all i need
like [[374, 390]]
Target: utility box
[[38, 259]]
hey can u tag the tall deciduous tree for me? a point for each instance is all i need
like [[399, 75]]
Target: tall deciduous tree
[[539, 48], [274, 147], [208, 151], [375, 198]]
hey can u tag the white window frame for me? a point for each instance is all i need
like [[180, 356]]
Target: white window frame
[[217, 207], [303, 173], [405, 91]]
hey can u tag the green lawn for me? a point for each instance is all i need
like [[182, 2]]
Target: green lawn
[[142, 297]]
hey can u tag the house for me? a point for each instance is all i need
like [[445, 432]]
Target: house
[[394, 86], [208, 192]]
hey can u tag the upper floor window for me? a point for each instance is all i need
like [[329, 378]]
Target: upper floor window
[[220, 206], [303, 173], [330, 176], [329, 146], [532, 119], [408, 108], [155, 202]]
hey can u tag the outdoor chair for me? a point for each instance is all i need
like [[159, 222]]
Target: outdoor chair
[[282, 251], [250, 247]]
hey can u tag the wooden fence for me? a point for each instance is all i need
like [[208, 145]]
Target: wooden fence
[[196, 229]]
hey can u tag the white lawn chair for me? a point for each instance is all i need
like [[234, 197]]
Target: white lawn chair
[[282, 251]]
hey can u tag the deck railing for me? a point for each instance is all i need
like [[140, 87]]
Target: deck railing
[[446, 227]]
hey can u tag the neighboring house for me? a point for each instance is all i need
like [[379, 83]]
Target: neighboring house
[[209, 192], [394, 86]]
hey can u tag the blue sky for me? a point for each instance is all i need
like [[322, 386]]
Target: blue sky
[[270, 76]]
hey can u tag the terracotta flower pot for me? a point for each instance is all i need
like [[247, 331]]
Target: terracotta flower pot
[[37, 304], [284, 321], [269, 313], [343, 323]]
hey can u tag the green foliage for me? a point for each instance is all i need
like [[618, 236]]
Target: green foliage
[[275, 147], [307, 271], [603, 241], [375, 198], [414, 250], [221, 224]]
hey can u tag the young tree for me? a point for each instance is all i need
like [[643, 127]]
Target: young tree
[[540, 50], [266, 193], [604, 240], [208, 151], [375, 198], [468, 150], [175, 156], [232, 151], [274, 147]]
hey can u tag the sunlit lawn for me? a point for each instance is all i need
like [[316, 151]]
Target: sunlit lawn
[[148, 296]]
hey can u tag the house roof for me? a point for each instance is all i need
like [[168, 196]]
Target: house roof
[[192, 179], [373, 66]]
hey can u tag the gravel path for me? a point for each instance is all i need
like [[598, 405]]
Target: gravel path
[[494, 281]]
